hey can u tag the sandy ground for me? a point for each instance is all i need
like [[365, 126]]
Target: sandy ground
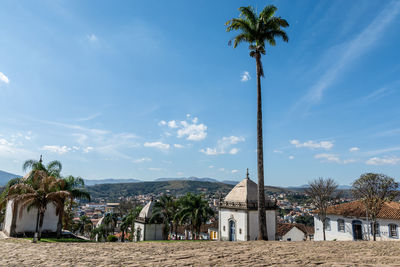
[[17, 252]]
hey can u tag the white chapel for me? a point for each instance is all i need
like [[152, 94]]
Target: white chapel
[[238, 213], [145, 229]]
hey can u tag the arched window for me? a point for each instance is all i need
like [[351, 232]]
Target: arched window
[[340, 225], [327, 224], [393, 231]]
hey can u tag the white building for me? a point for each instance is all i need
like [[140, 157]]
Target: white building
[[293, 232], [17, 224], [238, 214], [144, 228], [348, 221]]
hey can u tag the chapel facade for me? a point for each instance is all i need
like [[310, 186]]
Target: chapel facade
[[238, 213]]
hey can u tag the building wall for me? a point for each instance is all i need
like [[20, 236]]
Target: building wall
[[347, 235], [148, 231], [244, 218], [240, 218], [294, 235], [27, 222]]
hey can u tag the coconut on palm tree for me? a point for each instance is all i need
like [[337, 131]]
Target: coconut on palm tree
[[257, 30]]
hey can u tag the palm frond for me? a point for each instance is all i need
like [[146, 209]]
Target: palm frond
[[267, 12], [250, 15]]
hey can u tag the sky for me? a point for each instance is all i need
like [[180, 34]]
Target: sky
[[149, 89]]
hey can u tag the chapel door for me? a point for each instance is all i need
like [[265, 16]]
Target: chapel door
[[357, 230], [232, 231]]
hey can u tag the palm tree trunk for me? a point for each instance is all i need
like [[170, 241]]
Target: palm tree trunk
[[60, 220], [262, 222], [41, 216]]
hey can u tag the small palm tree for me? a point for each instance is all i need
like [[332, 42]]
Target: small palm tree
[[84, 225], [41, 190], [75, 186], [110, 222], [257, 30], [53, 168], [162, 211], [196, 210]]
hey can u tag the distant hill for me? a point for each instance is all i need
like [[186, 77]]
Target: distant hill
[[6, 176], [174, 187], [110, 181], [192, 178]]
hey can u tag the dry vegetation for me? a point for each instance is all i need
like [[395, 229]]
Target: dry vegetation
[[17, 252]]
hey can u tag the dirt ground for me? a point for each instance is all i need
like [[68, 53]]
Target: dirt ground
[[18, 252]]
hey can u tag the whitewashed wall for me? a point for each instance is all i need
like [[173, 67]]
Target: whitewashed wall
[[294, 235], [149, 231], [240, 217], [347, 235], [27, 222], [141, 226]]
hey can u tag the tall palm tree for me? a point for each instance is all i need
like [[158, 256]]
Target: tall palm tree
[[75, 186], [41, 190], [110, 222], [257, 29]]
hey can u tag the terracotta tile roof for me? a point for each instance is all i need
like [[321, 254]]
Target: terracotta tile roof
[[284, 228], [390, 210]]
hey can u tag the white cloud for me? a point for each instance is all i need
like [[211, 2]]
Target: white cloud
[[291, 157], [57, 149], [278, 151], [87, 149], [393, 160], [141, 160], [223, 145], [192, 131], [9, 149], [312, 144], [350, 52], [328, 157], [179, 173], [92, 37], [162, 123], [159, 145], [234, 171], [211, 166], [221, 169], [172, 124], [234, 151], [324, 157], [4, 78], [354, 149], [178, 146], [245, 76]]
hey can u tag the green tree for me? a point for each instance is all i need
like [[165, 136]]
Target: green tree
[[53, 168], [162, 211], [84, 225], [75, 186], [374, 190], [38, 192], [110, 222], [257, 30], [195, 209]]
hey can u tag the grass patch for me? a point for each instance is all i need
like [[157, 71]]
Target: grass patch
[[61, 240]]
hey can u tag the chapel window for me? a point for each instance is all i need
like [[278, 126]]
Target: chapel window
[[393, 230], [327, 224], [340, 223]]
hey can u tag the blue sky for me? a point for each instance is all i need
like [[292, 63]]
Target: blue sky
[[148, 89]]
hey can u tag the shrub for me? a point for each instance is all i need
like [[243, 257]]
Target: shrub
[[112, 238]]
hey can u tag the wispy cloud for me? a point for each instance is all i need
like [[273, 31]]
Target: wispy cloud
[[90, 117], [158, 145], [245, 76], [4, 78], [189, 129], [393, 160], [325, 157], [141, 160], [92, 37], [350, 52], [57, 149], [313, 144], [354, 149], [224, 146]]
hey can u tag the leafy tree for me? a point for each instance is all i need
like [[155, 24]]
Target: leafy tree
[[110, 222], [38, 192], [305, 219], [374, 190], [99, 232], [75, 186], [195, 209], [162, 211], [84, 225], [321, 192], [257, 30]]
